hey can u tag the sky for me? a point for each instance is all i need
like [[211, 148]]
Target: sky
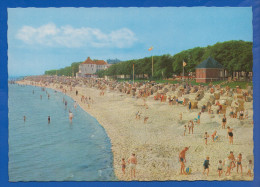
[[41, 39]]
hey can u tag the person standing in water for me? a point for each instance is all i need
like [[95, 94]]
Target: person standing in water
[[49, 119], [66, 103], [70, 116], [24, 118]]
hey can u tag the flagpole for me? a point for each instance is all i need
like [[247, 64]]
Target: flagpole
[[152, 66], [183, 71], [133, 74]]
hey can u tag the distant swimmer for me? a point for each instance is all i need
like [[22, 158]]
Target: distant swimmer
[[66, 103], [41, 97], [75, 104], [33, 92], [48, 96], [24, 118], [49, 119], [70, 115]]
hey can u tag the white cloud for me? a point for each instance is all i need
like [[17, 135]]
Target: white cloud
[[68, 36]]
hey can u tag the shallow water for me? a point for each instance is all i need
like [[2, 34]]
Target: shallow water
[[59, 151]]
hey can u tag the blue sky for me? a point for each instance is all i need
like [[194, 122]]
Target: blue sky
[[41, 39]]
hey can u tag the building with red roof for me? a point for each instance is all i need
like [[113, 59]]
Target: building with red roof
[[89, 67]]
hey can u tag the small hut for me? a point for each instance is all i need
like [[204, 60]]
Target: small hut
[[209, 70]]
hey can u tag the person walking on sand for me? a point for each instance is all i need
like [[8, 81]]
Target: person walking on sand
[[189, 106], [123, 165], [224, 121], [220, 168], [182, 160], [228, 164], [249, 168], [206, 136], [191, 126], [230, 134], [239, 163], [206, 166], [132, 164], [198, 121], [185, 129]]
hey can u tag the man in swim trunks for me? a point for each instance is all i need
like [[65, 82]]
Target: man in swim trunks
[[206, 165], [182, 160], [239, 163], [132, 164]]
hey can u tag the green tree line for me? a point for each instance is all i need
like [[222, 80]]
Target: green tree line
[[67, 71], [235, 56]]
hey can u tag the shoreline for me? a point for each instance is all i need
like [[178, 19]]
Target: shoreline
[[158, 142]]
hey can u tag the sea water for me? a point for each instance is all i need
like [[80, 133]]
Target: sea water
[[60, 150]]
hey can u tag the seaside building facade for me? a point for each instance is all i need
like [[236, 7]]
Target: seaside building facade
[[89, 67], [210, 70]]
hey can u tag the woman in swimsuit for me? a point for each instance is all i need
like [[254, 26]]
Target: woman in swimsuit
[[230, 134], [199, 117], [206, 137], [224, 121]]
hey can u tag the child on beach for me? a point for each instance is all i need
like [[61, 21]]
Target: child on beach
[[214, 135], [249, 168], [206, 136], [239, 163], [185, 128], [220, 168], [191, 126], [230, 134], [199, 117], [123, 165], [224, 121], [206, 166]]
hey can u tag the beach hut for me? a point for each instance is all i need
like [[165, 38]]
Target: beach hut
[[209, 70]]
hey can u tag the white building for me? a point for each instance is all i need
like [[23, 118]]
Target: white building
[[89, 67]]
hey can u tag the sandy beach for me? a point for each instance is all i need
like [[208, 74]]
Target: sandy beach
[[158, 142]]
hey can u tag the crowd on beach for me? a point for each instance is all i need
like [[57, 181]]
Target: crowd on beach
[[180, 94]]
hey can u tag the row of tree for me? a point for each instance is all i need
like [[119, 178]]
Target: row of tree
[[235, 56]]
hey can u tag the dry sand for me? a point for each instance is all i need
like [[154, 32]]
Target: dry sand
[[158, 142]]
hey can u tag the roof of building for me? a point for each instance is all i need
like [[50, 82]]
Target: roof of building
[[100, 62], [97, 62], [210, 63]]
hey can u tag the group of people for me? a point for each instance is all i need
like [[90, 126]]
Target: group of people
[[132, 161], [230, 162]]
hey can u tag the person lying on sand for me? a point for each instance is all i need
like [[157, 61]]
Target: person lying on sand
[[182, 160]]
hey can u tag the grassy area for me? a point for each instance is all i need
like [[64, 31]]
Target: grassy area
[[241, 84]]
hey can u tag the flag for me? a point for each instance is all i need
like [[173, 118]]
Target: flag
[[184, 63], [151, 48]]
